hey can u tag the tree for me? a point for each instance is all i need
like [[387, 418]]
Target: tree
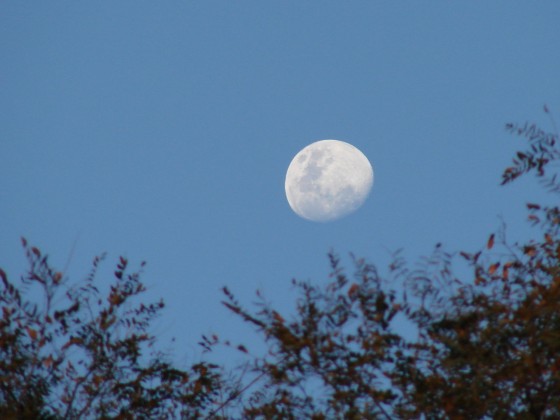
[[486, 345], [87, 356]]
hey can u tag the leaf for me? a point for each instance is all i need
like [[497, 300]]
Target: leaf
[[73, 340], [48, 361], [36, 251], [533, 218], [115, 299], [531, 251], [277, 317], [505, 272], [57, 277], [490, 243], [352, 291], [4, 277], [492, 269], [476, 256], [32, 333]]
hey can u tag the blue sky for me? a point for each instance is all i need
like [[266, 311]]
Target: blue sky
[[162, 131]]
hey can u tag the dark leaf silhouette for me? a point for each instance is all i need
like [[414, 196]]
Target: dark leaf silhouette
[[481, 342], [89, 357], [490, 243], [484, 346]]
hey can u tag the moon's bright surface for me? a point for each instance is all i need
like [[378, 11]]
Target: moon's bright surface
[[327, 180]]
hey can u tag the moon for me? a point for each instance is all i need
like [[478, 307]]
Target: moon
[[327, 180]]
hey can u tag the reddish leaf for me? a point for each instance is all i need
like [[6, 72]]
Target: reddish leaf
[[115, 299], [48, 361], [490, 243], [32, 333], [73, 340], [492, 269], [531, 251], [57, 277], [352, 291]]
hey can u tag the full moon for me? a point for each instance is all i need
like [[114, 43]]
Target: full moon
[[327, 180]]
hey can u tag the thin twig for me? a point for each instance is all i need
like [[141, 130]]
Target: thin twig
[[234, 395]]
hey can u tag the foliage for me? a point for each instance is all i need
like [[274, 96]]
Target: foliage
[[485, 346], [541, 153], [79, 354]]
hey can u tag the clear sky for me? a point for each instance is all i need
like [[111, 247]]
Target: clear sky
[[162, 131]]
